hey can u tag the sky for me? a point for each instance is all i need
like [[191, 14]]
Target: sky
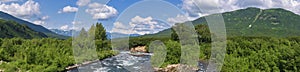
[[128, 16]]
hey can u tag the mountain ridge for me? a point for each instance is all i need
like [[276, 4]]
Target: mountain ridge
[[275, 22], [38, 28], [11, 29]]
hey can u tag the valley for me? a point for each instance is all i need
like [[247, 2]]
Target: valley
[[257, 40]]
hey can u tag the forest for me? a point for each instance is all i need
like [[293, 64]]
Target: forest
[[45, 54], [242, 53]]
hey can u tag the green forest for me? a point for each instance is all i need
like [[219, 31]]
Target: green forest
[[272, 44], [45, 54], [243, 53]]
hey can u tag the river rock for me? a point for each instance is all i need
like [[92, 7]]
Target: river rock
[[175, 68], [139, 49]]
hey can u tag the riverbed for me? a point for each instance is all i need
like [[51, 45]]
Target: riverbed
[[123, 62]]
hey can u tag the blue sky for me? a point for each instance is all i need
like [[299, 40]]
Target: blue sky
[[128, 16]]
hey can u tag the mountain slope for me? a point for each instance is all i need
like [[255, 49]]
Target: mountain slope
[[34, 27], [11, 29], [62, 32], [119, 35], [255, 22]]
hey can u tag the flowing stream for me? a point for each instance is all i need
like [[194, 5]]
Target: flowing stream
[[123, 62]]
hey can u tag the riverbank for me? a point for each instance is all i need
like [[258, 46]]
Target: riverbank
[[1, 70], [102, 55], [82, 64], [176, 68]]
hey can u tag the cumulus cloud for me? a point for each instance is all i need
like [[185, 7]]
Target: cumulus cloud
[[83, 2], [39, 22], [140, 25], [101, 11], [76, 22], [194, 9], [4, 1], [27, 10], [178, 19], [191, 8], [198, 8], [64, 27], [68, 9], [44, 17], [121, 28]]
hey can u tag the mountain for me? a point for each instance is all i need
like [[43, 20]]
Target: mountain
[[119, 35], [275, 22], [11, 29], [108, 34], [62, 32], [34, 27]]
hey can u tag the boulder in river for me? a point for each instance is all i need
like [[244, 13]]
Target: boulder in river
[[139, 49]]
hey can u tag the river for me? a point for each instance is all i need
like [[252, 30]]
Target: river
[[123, 62]]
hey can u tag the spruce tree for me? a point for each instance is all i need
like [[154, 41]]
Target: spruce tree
[[100, 32]]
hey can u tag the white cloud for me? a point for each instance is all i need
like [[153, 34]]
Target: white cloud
[[39, 22], [140, 25], [139, 20], [198, 8], [26, 10], [101, 11], [121, 28], [68, 9], [83, 2], [64, 27], [44, 17], [191, 8], [178, 19], [4, 1], [76, 22]]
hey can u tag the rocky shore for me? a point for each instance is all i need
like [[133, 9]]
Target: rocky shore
[[176, 68], [141, 49], [82, 64]]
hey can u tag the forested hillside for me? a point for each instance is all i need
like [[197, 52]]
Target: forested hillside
[[243, 53], [48, 54], [11, 29], [38, 28], [254, 22], [258, 41]]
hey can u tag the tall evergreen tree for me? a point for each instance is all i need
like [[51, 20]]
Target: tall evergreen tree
[[91, 32], [83, 33], [100, 32], [174, 35]]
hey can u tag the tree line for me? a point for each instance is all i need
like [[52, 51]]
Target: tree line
[[242, 53], [46, 54]]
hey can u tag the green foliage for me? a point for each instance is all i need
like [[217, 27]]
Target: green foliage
[[40, 54], [36, 54], [262, 54], [100, 32], [264, 22], [204, 32], [174, 35], [11, 29], [173, 53], [52, 55]]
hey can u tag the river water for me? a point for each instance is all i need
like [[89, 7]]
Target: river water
[[123, 62]]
